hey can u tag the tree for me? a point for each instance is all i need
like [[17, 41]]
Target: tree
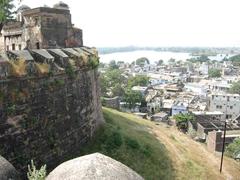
[[235, 60], [171, 60], [182, 120], [6, 11], [139, 80], [142, 61], [132, 97], [203, 58], [214, 73], [113, 65], [112, 81], [233, 149], [117, 90], [160, 62], [235, 88]]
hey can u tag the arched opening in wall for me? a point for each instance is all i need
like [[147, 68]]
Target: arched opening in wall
[[13, 47], [19, 47], [38, 45]]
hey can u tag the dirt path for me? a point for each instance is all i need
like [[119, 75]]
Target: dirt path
[[191, 159]]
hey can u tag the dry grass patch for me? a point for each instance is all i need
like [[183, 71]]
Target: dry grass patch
[[18, 68], [42, 68]]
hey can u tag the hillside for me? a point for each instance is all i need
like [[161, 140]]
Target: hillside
[[157, 151], [131, 142]]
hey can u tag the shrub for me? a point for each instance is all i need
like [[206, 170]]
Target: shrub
[[70, 71], [233, 149], [34, 174], [94, 62], [182, 120], [132, 143], [113, 141], [59, 82]]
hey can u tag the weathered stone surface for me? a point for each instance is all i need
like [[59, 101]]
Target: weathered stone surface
[[48, 119], [93, 167], [7, 171]]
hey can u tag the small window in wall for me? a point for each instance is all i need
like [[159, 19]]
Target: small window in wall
[[13, 47], [38, 45], [231, 107], [7, 48], [19, 47]]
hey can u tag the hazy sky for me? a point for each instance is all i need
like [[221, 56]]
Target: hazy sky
[[154, 22]]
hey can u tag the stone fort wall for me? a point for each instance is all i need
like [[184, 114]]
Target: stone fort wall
[[48, 118]]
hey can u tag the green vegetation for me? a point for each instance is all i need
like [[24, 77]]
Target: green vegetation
[[6, 11], [34, 174], [214, 73], [70, 71], [142, 61], [139, 80], [235, 60], [113, 84], [182, 120], [203, 58], [113, 65], [171, 61], [132, 97], [160, 62], [235, 88], [94, 62], [233, 149], [112, 81], [127, 139]]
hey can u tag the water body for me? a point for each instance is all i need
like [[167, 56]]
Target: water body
[[153, 56]]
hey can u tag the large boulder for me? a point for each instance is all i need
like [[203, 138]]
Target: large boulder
[[7, 171], [93, 167]]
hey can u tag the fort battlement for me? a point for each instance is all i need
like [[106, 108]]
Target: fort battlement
[[51, 107]]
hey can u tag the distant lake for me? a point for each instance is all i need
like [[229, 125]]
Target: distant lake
[[153, 56]]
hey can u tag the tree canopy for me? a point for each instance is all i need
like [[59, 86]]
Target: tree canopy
[[214, 73], [142, 61], [139, 80], [233, 149], [203, 58], [6, 11], [235, 88], [113, 64], [160, 62], [182, 120], [235, 60], [132, 97]]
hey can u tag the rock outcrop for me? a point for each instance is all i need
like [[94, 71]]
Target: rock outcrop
[[93, 167], [7, 171]]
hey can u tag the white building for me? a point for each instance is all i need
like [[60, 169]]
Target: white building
[[196, 88], [228, 104]]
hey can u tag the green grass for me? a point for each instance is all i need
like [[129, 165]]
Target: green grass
[[128, 140]]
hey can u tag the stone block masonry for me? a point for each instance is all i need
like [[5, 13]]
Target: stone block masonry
[[48, 118]]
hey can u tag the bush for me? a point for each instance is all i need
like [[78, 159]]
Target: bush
[[94, 62], [233, 149], [70, 71], [34, 174], [113, 141], [132, 143], [182, 120]]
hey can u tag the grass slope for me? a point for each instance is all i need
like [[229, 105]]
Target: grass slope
[[127, 139]]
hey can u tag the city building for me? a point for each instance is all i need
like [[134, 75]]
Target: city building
[[228, 104]]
